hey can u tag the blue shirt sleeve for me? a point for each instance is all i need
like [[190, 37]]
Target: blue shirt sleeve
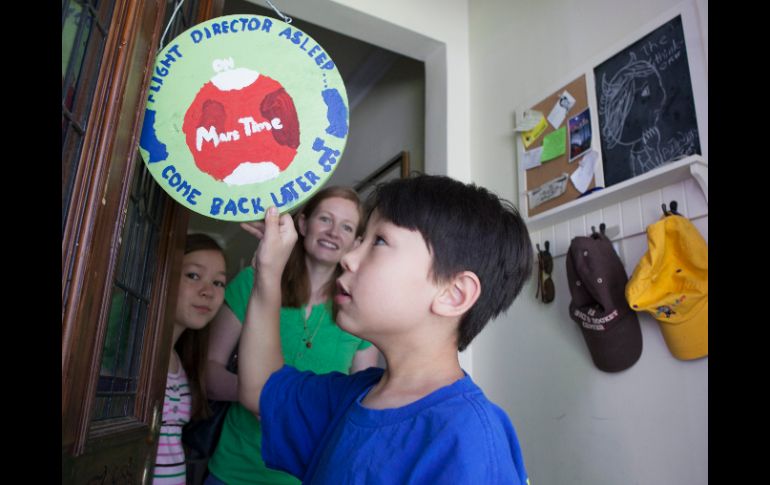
[[476, 444], [514, 447], [297, 408]]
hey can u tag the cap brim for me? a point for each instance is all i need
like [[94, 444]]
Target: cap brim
[[688, 340], [618, 348]]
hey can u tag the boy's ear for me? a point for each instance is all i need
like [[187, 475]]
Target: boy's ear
[[458, 295], [302, 223]]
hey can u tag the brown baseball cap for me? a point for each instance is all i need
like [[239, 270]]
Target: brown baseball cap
[[597, 282]]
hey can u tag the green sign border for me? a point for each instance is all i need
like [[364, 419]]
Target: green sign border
[[270, 47]]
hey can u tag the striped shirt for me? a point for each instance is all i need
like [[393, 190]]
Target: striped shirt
[[170, 466]]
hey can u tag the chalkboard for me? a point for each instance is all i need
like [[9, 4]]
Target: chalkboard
[[645, 105]]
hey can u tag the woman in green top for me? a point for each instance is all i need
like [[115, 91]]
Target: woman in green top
[[328, 226]]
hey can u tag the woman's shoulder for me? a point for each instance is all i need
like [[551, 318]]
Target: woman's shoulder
[[244, 276], [238, 290]]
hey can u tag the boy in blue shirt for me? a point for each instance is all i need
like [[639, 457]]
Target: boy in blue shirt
[[438, 260]]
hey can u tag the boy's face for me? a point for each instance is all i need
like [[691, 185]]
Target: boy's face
[[387, 286]]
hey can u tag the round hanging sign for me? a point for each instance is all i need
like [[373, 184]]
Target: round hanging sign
[[244, 112]]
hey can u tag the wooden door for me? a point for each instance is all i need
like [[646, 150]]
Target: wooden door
[[122, 240]]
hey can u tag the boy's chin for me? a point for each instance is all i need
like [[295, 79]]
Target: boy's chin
[[340, 321]]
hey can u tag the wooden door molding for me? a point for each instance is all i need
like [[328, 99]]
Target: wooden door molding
[[99, 202], [116, 450]]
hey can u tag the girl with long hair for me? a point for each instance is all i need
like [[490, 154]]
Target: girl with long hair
[[201, 293]]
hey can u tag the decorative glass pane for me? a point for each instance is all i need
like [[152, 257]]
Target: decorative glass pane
[[134, 275], [84, 33], [116, 390]]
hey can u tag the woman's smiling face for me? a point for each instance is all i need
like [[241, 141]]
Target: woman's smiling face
[[330, 231]]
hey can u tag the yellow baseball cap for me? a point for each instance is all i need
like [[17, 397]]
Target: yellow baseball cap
[[671, 282]]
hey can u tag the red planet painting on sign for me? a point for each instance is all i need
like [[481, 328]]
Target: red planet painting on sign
[[243, 112], [258, 144]]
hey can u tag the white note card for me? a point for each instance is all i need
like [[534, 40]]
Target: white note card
[[531, 158], [560, 109], [581, 178]]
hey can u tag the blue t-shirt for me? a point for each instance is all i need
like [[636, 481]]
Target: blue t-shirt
[[315, 428]]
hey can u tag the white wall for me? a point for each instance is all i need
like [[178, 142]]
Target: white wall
[[577, 425], [391, 118], [445, 21]]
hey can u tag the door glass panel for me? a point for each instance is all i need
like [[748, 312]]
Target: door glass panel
[[84, 33], [134, 275]]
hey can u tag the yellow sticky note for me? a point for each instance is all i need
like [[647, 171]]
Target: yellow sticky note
[[528, 137]]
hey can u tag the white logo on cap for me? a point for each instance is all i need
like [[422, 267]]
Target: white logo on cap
[[593, 323]]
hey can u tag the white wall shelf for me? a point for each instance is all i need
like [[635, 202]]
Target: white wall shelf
[[694, 166]]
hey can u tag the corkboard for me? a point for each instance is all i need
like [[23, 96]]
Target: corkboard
[[554, 168]]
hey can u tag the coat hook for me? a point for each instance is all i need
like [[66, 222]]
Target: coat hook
[[673, 205]]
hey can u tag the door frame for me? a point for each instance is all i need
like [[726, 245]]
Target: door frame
[[117, 448]]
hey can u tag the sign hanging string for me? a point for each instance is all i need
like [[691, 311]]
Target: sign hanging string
[[284, 17], [179, 4], [171, 21]]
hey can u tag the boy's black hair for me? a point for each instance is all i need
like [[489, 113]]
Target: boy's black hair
[[466, 228]]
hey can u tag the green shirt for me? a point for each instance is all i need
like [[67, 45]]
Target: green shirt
[[238, 457]]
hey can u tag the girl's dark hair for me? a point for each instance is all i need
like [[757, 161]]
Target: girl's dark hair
[[295, 284], [199, 242], [193, 345]]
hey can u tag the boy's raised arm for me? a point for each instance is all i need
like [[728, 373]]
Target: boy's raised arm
[[259, 351]]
